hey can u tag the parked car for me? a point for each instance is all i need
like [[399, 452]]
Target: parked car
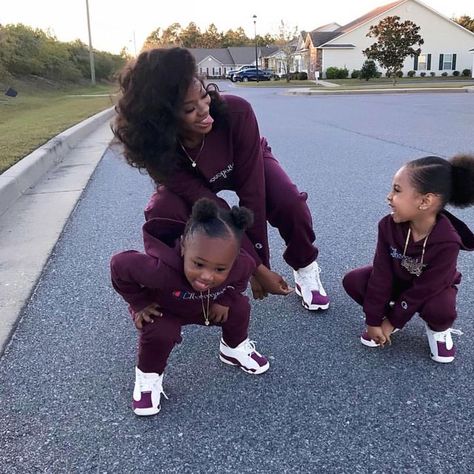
[[253, 74], [231, 72]]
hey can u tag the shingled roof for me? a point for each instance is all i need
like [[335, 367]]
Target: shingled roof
[[319, 38]]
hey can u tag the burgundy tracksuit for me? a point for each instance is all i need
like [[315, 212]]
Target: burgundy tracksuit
[[432, 294], [157, 276], [235, 158]]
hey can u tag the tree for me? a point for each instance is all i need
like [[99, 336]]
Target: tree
[[465, 21], [286, 42], [369, 70], [191, 36], [395, 42], [211, 38]]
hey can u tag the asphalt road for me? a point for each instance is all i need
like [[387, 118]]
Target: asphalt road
[[327, 404]]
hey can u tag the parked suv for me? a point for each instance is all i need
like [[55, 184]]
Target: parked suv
[[231, 72], [253, 74]]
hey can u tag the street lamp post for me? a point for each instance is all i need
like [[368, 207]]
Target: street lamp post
[[91, 52], [256, 43]]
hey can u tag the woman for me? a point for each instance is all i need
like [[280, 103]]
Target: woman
[[195, 143]]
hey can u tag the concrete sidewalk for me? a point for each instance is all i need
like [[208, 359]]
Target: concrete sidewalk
[[37, 196]]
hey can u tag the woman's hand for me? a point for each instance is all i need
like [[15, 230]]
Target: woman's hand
[[268, 282], [377, 335], [218, 314], [146, 315]]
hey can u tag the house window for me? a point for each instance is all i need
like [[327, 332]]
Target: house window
[[422, 62], [447, 61]]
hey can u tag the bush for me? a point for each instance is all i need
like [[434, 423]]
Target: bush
[[422, 74], [355, 74], [432, 74], [399, 73], [369, 70], [444, 74], [456, 73], [337, 73], [302, 76], [466, 72], [411, 73]]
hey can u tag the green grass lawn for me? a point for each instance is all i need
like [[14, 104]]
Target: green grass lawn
[[38, 114]]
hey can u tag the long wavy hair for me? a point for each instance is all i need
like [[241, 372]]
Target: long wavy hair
[[153, 88]]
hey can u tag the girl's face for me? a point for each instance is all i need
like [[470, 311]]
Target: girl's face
[[195, 118], [404, 199], [208, 261]]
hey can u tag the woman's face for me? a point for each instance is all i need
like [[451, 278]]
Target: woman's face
[[195, 118]]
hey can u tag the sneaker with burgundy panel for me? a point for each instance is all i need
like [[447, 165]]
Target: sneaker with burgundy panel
[[308, 285], [147, 393], [441, 344], [244, 356]]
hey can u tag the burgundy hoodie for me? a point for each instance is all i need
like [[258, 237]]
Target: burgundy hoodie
[[231, 159], [389, 279], [157, 276]]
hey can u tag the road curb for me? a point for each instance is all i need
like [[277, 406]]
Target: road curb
[[27, 172], [381, 91]]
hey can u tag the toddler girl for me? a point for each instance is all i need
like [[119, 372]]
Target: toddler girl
[[197, 279], [414, 268]]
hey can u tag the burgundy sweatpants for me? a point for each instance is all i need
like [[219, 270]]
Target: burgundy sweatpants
[[439, 312], [156, 340], [285, 206]]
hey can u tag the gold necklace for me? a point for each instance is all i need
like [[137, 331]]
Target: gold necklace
[[409, 263], [204, 312], [193, 162]]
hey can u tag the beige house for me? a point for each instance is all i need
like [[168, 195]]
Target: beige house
[[447, 46]]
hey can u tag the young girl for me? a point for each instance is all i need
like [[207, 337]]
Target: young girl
[[414, 268], [198, 279], [194, 143]]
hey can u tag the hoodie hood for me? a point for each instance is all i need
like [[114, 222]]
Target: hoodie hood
[[465, 235], [161, 239]]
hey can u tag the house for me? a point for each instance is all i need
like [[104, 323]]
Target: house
[[217, 61], [446, 45]]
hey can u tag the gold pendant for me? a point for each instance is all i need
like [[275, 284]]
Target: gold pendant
[[206, 322], [194, 164]]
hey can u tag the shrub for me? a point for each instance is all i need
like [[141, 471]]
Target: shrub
[[432, 74], [422, 73], [337, 73], [369, 70], [355, 74], [399, 73], [456, 73], [444, 74], [466, 72], [411, 73], [302, 76]]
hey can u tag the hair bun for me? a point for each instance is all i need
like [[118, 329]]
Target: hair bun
[[462, 173], [241, 217], [204, 210]]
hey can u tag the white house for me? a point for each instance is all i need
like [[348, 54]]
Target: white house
[[446, 45]]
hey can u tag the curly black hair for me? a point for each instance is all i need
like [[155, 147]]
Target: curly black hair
[[153, 88]]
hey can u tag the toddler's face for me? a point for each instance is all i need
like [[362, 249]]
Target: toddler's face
[[404, 199], [208, 261]]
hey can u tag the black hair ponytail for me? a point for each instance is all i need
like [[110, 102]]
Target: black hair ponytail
[[462, 172], [452, 180], [214, 221]]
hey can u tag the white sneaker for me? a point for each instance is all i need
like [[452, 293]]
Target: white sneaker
[[244, 356], [308, 285], [147, 393], [441, 344]]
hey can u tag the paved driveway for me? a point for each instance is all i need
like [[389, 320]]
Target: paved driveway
[[328, 404]]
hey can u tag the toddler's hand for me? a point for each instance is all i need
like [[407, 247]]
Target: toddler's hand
[[387, 329], [146, 315], [377, 335], [258, 292], [218, 313]]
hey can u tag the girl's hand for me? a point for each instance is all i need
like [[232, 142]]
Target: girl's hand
[[218, 314], [387, 329], [257, 289], [377, 335], [271, 282], [146, 315]]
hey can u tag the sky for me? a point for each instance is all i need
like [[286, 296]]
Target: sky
[[118, 23]]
